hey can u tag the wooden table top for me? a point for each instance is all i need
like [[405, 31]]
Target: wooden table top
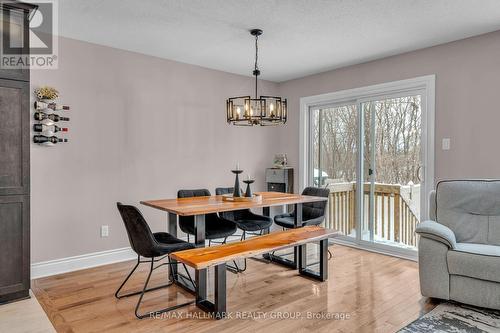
[[214, 204], [209, 256]]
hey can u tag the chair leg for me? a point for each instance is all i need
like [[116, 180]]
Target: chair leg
[[144, 290], [137, 292], [189, 276], [128, 277], [236, 269]]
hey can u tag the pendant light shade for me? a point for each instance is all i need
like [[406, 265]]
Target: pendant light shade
[[263, 110]]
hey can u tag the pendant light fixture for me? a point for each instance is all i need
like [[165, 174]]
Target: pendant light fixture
[[263, 110]]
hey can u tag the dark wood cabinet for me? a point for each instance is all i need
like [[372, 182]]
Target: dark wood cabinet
[[15, 165], [15, 247], [14, 137], [16, 15]]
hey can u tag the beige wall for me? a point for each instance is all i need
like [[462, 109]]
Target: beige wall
[[467, 93], [141, 128]]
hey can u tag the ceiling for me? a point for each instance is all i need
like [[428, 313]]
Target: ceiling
[[301, 37]]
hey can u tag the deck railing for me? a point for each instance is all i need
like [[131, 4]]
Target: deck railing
[[395, 215]]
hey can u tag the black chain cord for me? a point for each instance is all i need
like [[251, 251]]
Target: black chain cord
[[256, 52], [256, 67]]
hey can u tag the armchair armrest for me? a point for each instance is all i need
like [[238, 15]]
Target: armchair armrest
[[438, 232]]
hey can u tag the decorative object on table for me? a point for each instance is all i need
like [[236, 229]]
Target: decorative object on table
[[46, 129], [248, 192], [237, 191], [280, 161], [254, 198], [455, 317], [263, 110]]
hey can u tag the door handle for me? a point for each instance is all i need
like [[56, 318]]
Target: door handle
[[418, 173]]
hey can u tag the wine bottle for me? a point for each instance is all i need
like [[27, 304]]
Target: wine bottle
[[48, 128], [54, 117], [47, 139], [53, 106]]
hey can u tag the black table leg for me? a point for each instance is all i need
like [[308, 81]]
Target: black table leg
[[179, 278], [297, 223], [172, 229], [199, 230], [322, 275], [199, 240]]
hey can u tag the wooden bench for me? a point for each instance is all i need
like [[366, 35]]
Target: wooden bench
[[202, 258]]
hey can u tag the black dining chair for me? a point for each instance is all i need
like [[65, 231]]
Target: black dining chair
[[215, 226], [247, 221], [313, 213], [154, 247]]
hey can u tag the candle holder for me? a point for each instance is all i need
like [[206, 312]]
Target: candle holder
[[249, 192], [237, 191]]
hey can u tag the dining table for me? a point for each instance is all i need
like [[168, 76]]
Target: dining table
[[199, 206]]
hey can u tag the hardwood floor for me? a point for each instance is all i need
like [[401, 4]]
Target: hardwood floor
[[375, 293]]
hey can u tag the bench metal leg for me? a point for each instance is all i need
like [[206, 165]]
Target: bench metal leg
[[218, 307], [322, 275]]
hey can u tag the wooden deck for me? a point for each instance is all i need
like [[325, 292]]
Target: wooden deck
[[373, 293]]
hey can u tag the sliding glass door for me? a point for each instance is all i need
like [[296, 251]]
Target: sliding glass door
[[370, 151], [392, 165], [334, 140]]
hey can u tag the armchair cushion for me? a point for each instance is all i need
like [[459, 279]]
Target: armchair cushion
[[438, 232], [478, 261], [471, 208]]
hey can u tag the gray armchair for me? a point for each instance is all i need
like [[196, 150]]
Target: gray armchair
[[459, 248]]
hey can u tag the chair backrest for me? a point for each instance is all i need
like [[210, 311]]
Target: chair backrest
[[232, 215], [193, 193], [312, 210], [470, 208], [224, 190], [140, 236], [185, 220]]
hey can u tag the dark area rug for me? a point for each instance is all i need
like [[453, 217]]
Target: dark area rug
[[456, 318]]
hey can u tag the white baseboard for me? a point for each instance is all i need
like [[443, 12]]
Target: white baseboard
[[64, 265], [88, 260]]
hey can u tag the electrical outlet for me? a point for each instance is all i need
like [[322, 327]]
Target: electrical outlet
[[446, 144], [104, 231]]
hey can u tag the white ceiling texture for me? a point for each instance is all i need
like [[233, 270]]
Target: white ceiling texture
[[301, 37]]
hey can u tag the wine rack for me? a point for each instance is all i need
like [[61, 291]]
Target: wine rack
[[50, 118]]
